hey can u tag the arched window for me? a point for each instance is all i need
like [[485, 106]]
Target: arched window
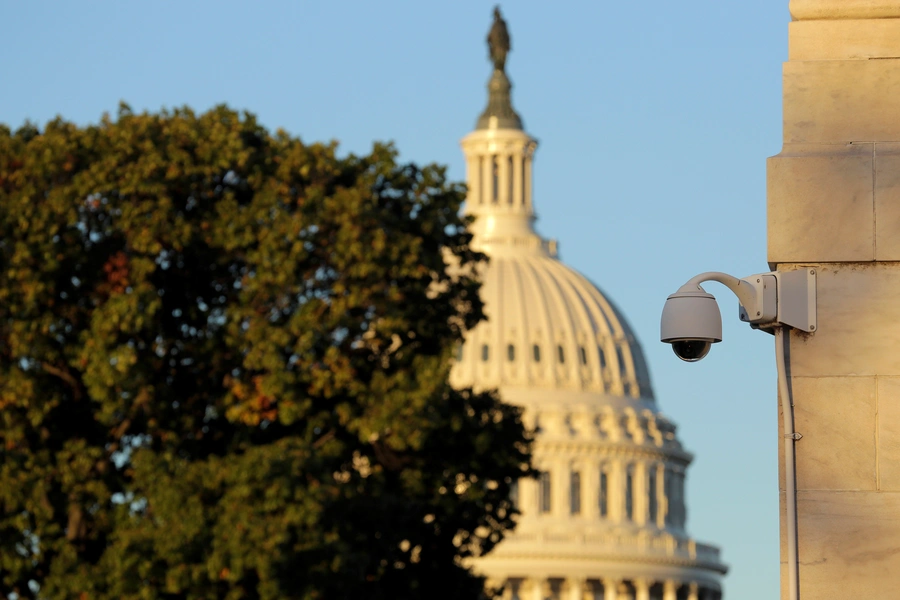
[[485, 352], [544, 492], [603, 496], [583, 355], [561, 354], [602, 357], [676, 514], [653, 503], [510, 353], [575, 493], [536, 352], [623, 368], [629, 493]]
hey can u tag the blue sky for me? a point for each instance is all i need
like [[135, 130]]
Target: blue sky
[[654, 120]]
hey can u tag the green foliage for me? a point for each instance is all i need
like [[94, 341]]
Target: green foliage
[[223, 369]]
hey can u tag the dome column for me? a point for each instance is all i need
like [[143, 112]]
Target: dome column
[[575, 587], [693, 591], [503, 181], [486, 196], [529, 205], [560, 483], [472, 179], [590, 489], [518, 159], [670, 590], [641, 498], [609, 589], [641, 589], [537, 588]]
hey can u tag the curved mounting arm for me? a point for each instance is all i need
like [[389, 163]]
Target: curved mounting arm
[[769, 299], [747, 294]]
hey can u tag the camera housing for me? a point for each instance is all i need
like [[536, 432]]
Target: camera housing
[[691, 322]]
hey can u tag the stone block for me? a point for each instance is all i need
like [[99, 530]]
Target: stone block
[[838, 101], [848, 544], [836, 416], [888, 433], [887, 202], [820, 204], [844, 9], [858, 323], [844, 39]]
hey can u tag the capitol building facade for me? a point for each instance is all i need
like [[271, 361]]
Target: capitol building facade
[[606, 519]]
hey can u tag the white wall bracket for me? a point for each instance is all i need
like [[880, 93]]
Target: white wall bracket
[[782, 298]]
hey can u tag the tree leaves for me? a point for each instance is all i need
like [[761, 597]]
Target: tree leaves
[[223, 368]]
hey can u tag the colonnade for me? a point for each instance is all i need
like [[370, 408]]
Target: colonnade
[[501, 177], [550, 588], [646, 493]]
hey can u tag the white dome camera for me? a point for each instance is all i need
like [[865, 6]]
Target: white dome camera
[[691, 322]]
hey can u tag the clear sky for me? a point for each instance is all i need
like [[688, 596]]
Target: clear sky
[[654, 120]]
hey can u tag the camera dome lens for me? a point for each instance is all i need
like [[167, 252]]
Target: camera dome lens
[[691, 350]]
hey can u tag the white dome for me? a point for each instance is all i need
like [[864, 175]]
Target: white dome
[[549, 327], [607, 515]]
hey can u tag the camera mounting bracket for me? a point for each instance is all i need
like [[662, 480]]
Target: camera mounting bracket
[[786, 298]]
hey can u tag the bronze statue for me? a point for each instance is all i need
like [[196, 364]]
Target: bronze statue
[[498, 41]]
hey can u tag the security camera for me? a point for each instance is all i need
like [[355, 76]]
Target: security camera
[[692, 323]]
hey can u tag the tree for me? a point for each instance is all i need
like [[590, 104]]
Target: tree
[[223, 368]]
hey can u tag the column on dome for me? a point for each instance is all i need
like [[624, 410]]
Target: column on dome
[[559, 487], [486, 195], [518, 158], [526, 494], [639, 492], [641, 589], [670, 590], [667, 495], [472, 177], [503, 176], [609, 589], [575, 588], [616, 491], [590, 489], [527, 181], [539, 588], [693, 591]]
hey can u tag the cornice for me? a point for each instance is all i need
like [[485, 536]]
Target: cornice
[[667, 561], [601, 448]]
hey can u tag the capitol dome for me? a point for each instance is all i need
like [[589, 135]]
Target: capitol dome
[[548, 327], [606, 518]]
